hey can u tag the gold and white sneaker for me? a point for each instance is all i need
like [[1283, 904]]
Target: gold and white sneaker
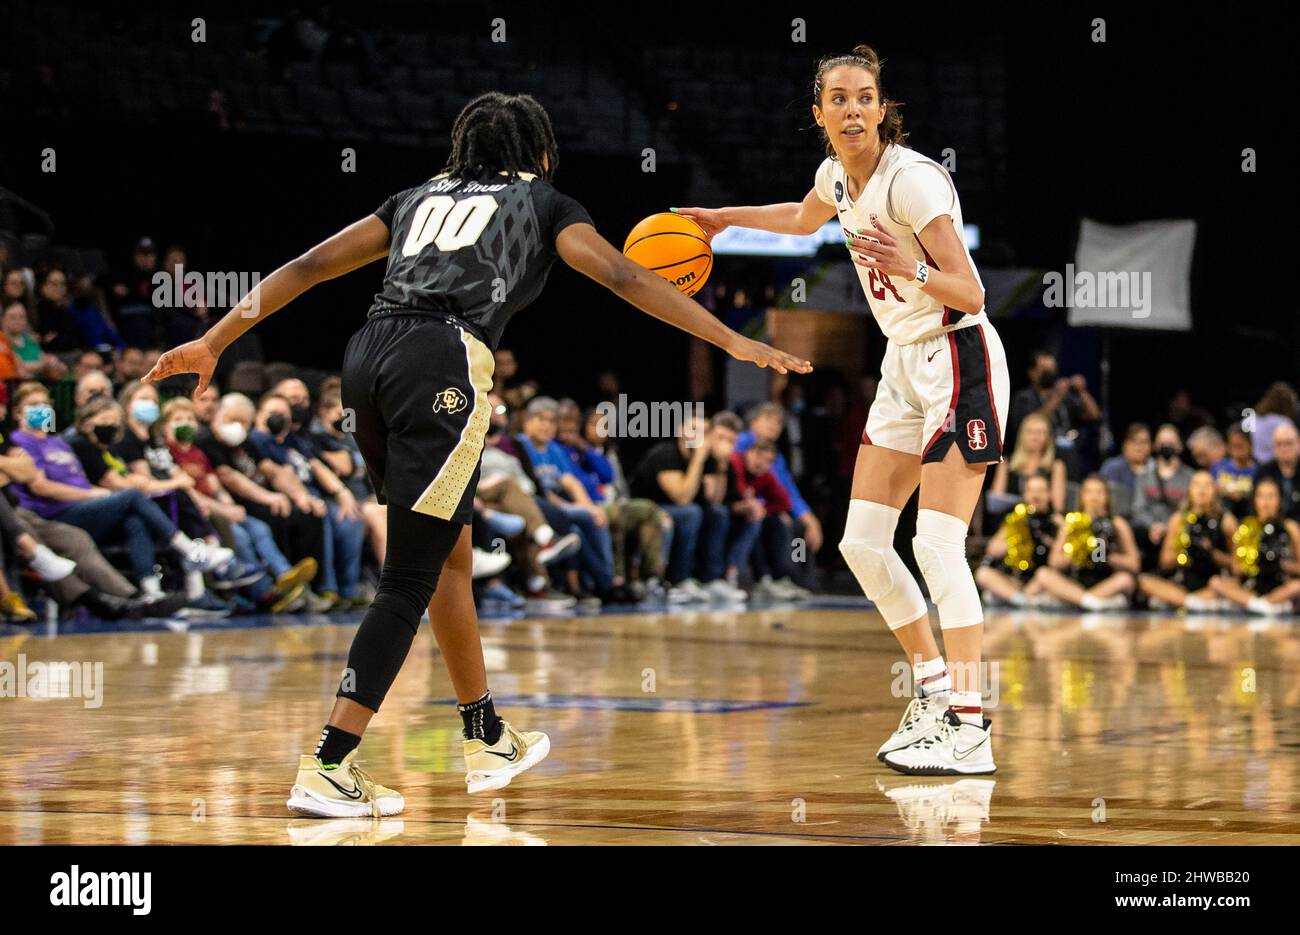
[[346, 791], [492, 767], [921, 718]]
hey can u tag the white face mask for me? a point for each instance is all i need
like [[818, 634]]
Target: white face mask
[[231, 433]]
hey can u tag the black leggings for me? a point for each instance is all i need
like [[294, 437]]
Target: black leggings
[[418, 547]]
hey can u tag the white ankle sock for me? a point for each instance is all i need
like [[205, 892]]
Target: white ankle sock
[[968, 706], [931, 677]]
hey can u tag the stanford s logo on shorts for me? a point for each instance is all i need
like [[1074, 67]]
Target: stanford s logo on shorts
[[450, 400], [976, 437]]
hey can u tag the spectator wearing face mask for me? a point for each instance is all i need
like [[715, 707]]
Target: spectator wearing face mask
[[1282, 469], [1157, 492], [298, 532], [59, 489], [274, 585], [284, 450]]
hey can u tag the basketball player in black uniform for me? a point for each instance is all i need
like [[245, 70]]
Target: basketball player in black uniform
[[466, 250]]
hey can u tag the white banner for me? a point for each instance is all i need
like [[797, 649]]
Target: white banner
[[1135, 276]]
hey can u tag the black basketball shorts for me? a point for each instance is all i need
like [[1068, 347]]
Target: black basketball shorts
[[416, 389]]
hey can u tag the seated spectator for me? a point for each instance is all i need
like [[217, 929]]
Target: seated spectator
[[627, 516], [1020, 547], [1265, 575], [561, 487], [1206, 446], [32, 360], [282, 448], [53, 319], [761, 524], [1094, 560], [16, 288], [767, 422], [652, 526], [1033, 456], [129, 365], [92, 384], [84, 578], [1197, 549], [1064, 401], [338, 449], [88, 319], [60, 490], [1282, 469], [148, 459], [687, 477], [273, 585], [87, 362], [1157, 492], [205, 407], [295, 518], [1235, 474], [506, 486], [1134, 458], [1277, 406]]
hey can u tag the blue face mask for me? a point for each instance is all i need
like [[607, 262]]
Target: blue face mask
[[40, 417], [145, 411]]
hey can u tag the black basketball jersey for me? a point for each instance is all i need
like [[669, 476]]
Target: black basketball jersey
[[478, 250]]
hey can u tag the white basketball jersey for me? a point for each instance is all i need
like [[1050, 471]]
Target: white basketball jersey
[[905, 193]]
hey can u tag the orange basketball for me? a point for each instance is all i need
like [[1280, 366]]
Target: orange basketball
[[673, 246]]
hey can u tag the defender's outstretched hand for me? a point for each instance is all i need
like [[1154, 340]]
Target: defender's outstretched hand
[[191, 357], [764, 355]]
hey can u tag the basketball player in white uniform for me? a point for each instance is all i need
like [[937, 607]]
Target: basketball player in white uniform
[[939, 413]]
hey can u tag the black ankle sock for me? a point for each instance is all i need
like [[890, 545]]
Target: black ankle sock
[[335, 744], [481, 721]]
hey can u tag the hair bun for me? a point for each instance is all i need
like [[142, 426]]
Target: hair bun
[[867, 52]]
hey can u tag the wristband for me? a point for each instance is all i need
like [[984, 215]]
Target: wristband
[[922, 273]]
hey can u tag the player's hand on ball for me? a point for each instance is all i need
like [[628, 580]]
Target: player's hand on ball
[[764, 355], [191, 357], [877, 248], [708, 218]]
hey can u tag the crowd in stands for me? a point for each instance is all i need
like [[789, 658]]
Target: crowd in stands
[[129, 499], [1192, 515]]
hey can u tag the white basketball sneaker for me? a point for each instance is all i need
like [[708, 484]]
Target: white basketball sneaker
[[953, 748], [945, 810], [920, 718]]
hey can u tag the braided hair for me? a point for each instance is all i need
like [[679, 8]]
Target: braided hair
[[862, 56], [498, 132]]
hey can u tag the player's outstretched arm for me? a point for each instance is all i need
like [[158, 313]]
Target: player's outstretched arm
[[792, 217], [353, 247], [581, 247]]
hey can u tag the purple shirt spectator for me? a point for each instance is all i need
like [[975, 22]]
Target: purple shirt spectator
[[60, 463]]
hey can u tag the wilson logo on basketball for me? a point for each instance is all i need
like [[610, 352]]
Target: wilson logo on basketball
[[450, 400], [976, 435]]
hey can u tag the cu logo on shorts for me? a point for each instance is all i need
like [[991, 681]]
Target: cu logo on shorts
[[450, 400], [975, 434]]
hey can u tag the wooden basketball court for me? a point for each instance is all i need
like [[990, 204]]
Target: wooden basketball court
[[726, 727]]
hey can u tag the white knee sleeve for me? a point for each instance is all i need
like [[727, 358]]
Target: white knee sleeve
[[868, 549], [940, 550]]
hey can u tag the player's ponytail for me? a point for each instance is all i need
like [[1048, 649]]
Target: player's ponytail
[[862, 56]]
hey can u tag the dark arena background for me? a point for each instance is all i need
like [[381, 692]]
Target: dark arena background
[[733, 695]]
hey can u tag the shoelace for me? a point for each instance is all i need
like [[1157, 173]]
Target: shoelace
[[916, 708], [942, 734], [367, 784]]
